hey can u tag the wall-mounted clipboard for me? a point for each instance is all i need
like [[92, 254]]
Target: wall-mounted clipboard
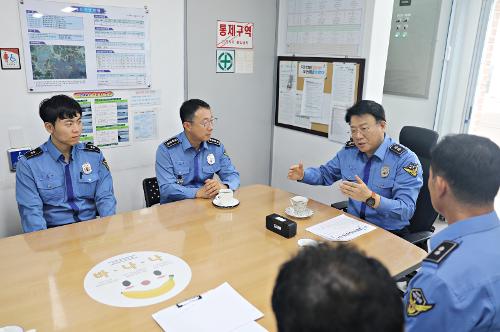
[[313, 93]]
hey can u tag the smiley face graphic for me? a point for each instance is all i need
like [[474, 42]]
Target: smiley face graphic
[[137, 279]]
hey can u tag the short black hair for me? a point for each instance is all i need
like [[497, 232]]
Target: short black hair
[[470, 164], [366, 107], [338, 289], [189, 107], [59, 107]]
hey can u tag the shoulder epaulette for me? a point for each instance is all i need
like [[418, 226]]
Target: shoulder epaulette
[[350, 144], [441, 251], [172, 142], [91, 147], [214, 141], [33, 153], [397, 149]]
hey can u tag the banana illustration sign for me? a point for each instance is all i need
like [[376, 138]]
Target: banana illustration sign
[[137, 279]]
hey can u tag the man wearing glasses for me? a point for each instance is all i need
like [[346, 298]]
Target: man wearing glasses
[[186, 163], [381, 178]]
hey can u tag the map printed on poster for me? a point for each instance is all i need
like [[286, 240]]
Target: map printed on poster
[[234, 34], [137, 279], [72, 47]]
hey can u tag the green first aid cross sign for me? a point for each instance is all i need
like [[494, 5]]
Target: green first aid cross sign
[[225, 61]]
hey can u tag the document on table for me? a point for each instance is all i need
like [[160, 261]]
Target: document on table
[[220, 309], [340, 228]]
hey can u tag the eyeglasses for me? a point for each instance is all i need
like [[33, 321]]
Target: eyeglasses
[[206, 123], [363, 130]]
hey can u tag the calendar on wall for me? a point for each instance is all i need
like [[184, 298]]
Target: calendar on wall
[[70, 47]]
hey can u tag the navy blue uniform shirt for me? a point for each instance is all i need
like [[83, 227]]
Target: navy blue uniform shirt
[[181, 170], [394, 173], [51, 192], [458, 286]]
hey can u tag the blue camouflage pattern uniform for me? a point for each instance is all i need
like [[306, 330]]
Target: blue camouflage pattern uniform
[[181, 170], [394, 172], [51, 192], [458, 286]]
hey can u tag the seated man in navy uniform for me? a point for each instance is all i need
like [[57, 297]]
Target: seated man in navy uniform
[[381, 178], [63, 181], [339, 289], [186, 163], [458, 286]]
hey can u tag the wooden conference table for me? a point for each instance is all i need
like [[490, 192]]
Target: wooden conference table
[[42, 273]]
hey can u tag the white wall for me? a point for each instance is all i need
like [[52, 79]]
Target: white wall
[[129, 165], [290, 146], [242, 102]]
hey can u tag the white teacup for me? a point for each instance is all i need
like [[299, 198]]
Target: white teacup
[[225, 196], [299, 204]]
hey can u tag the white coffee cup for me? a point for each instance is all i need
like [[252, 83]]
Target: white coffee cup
[[225, 196], [299, 204]]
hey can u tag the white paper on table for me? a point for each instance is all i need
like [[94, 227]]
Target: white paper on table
[[220, 309], [251, 327], [340, 228]]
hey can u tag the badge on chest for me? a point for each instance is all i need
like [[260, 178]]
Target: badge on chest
[[86, 168], [211, 159]]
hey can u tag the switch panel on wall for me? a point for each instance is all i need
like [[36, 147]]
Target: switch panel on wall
[[411, 47]]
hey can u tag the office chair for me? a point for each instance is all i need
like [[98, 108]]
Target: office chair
[[420, 141], [151, 191]]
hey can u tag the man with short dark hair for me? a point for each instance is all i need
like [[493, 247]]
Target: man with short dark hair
[[458, 286], [186, 163], [338, 289], [63, 181], [381, 178]]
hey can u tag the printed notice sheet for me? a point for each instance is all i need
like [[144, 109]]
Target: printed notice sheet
[[72, 47], [340, 228], [115, 118], [325, 27]]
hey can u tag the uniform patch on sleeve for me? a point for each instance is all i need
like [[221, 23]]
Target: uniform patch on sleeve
[[33, 153], [412, 169], [172, 142], [214, 141], [397, 149], [105, 163], [417, 303], [91, 147], [350, 144], [441, 252]]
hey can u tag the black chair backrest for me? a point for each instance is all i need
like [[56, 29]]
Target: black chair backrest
[[421, 141], [151, 191]]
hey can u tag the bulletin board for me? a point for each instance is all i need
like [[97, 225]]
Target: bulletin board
[[313, 94]]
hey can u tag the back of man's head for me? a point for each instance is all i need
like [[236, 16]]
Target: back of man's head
[[189, 107], [470, 165], [336, 289], [365, 107]]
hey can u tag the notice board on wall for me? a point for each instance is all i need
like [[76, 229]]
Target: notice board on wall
[[312, 94]]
